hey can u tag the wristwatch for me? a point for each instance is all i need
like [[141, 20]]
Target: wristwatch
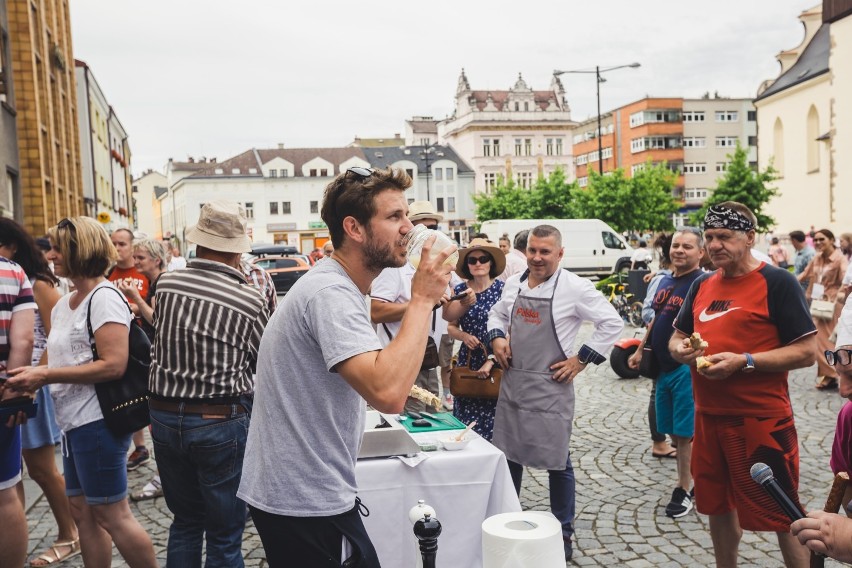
[[749, 366]]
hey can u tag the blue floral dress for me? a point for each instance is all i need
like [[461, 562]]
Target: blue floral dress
[[475, 322]]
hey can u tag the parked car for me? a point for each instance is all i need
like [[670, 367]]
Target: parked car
[[284, 270]]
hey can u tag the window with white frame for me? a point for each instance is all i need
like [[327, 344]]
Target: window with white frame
[[693, 116], [559, 146], [636, 168], [491, 147], [527, 146], [637, 145], [285, 173], [450, 174], [451, 205], [594, 156], [548, 144], [285, 207], [694, 168], [249, 210], [721, 167], [314, 206], [273, 173], [637, 119], [655, 143], [490, 180], [676, 167], [582, 159], [726, 141], [518, 146], [727, 116], [273, 208], [439, 204], [694, 142], [583, 181], [524, 179], [607, 153], [695, 194], [439, 174]]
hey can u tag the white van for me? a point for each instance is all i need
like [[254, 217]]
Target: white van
[[592, 248]]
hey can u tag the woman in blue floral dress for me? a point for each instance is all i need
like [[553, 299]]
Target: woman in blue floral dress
[[479, 264]]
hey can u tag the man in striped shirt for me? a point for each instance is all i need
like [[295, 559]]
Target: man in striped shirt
[[209, 320]]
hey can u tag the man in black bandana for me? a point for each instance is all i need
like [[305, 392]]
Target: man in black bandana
[[757, 326]]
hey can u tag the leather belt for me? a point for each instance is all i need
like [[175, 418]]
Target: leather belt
[[196, 407]]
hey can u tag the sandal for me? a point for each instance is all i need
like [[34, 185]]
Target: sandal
[[54, 556], [152, 490]]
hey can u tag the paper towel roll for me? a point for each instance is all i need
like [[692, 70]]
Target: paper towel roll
[[521, 540]]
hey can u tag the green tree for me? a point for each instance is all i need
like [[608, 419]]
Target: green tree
[[549, 198], [639, 203], [743, 184]]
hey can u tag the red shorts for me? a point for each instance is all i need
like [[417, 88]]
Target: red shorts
[[724, 450]]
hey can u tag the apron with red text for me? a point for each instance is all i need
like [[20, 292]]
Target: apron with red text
[[534, 416]]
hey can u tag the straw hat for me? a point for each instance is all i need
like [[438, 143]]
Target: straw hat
[[423, 210], [221, 227], [484, 246]]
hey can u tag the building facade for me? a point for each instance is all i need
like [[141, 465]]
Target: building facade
[[694, 137], [795, 131], [146, 193], [104, 152], [282, 189], [10, 195], [46, 106], [519, 134]]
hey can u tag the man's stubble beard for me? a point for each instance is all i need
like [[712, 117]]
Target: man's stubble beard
[[377, 258]]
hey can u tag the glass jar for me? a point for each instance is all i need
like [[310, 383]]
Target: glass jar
[[414, 239]]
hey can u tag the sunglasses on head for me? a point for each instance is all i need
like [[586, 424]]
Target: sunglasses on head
[[66, 224], [360, 172], [473, 260], [839, 357]]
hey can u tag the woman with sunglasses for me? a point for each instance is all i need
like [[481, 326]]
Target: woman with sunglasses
[[480, 264], [40, 434], [825, 273], [94, 459]]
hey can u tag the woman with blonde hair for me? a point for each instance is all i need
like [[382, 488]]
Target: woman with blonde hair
[[150, 258], [94, 459]]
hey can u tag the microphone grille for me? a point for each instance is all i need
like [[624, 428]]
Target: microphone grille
[[761, 473]]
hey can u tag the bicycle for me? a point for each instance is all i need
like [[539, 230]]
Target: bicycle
[[624, 303]]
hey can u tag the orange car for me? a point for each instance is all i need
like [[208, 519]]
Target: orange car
[[284, 269]]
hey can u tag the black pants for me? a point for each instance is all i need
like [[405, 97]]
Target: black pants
[[314, 542]]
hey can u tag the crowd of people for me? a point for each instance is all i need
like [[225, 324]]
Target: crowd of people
[[232, 373]]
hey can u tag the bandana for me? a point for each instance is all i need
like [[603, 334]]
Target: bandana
[[718, 217]]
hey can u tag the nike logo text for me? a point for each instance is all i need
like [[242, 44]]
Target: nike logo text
[[705, 317]]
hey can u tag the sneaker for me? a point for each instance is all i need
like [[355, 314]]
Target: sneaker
[[139, 457], [680, 505], [448, 401]]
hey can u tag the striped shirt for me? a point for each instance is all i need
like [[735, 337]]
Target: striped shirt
[[16, 294], [208, 323]]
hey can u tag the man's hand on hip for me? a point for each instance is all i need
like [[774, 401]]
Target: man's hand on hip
[[502, 351], [567, 370]]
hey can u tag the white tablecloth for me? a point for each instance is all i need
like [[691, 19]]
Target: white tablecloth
[[464, 488]]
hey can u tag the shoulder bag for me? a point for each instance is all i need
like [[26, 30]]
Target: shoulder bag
[[430, 354], [124, 401], [649, 365], [466, 383], [822, 309]]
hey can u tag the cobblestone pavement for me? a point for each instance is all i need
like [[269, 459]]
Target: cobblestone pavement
[[621, 489]]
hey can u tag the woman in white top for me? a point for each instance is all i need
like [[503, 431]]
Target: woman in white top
[[94, 458]]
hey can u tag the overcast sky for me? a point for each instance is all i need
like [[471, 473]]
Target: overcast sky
[[215, 78]]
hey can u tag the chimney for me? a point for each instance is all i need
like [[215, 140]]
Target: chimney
[[281, 145], [396, 135], [191, 160], [212, 160]]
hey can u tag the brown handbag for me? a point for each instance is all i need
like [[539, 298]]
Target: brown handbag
[[466, 383]]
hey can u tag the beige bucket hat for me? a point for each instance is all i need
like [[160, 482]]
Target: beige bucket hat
[[423, 210], [221, 227]]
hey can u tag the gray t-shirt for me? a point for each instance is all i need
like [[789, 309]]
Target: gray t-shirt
[[307, 422]]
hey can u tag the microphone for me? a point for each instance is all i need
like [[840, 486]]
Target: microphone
[[762, 475]]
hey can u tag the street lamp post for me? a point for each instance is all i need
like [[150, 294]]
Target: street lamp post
[[424, 154], [598, 80]]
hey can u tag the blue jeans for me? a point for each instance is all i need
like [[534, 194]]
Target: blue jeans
[[562, 497], [200, 462]]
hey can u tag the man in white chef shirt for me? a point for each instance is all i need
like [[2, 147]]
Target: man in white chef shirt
[[532, 330], [390, 294]]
